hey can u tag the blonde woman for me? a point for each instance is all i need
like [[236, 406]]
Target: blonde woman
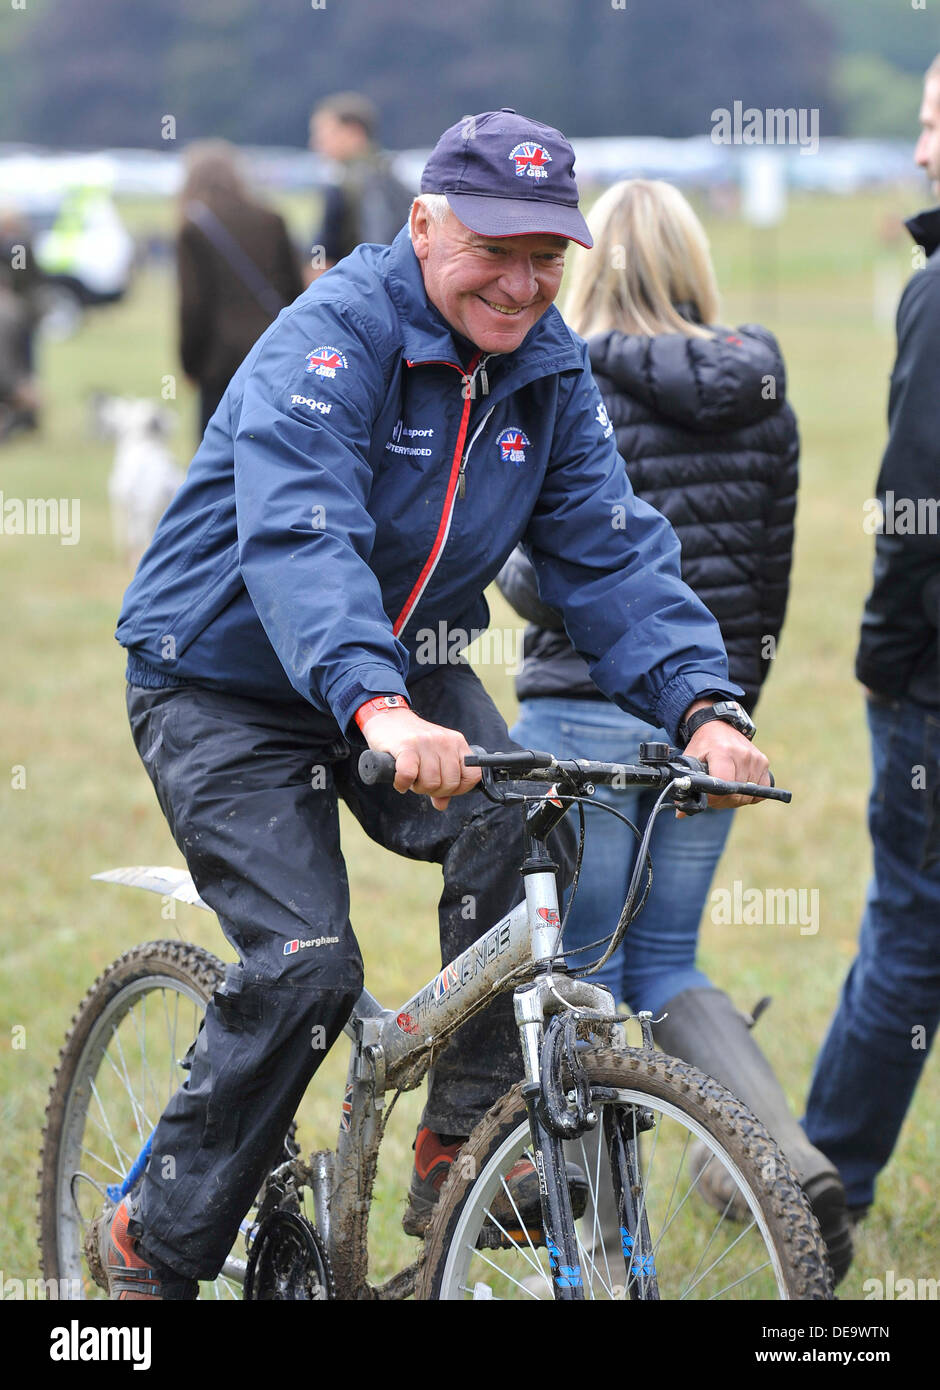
[[702, 423]]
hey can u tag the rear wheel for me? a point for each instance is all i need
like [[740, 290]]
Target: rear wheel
[[696, 1252], [119, 1066]]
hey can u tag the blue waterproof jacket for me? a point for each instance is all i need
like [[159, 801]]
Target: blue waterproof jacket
[[360, 485]]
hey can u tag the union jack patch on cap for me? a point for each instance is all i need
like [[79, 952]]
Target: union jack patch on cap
[[531, 160]]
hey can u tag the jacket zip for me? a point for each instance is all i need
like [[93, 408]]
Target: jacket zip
[[461, 476], [443, 530]]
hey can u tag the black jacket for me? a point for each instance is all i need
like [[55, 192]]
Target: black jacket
[[709, 440], [897, 654]]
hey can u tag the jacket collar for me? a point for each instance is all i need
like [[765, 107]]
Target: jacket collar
[[925, 229], [427, 337]]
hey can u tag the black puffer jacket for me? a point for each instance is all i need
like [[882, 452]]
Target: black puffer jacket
[[709, 440]]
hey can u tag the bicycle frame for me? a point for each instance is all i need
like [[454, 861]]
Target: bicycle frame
[[392, 1050]]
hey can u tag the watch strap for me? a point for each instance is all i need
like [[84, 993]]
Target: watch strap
[[724, 711], [377, 706]]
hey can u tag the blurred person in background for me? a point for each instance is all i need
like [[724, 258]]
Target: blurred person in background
[[886, 1019], [366, 203], [700, 418], [237, 270], [20, 282]]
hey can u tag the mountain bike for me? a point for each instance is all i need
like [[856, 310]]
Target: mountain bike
[[593, 1127]]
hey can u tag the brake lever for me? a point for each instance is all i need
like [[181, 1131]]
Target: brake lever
[[491, 778], [689, 802]]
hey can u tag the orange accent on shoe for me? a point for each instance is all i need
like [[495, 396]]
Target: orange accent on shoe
[[430, 1152], [125, 1266]]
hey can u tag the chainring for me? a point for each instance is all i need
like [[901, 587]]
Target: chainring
[[288, 1261]]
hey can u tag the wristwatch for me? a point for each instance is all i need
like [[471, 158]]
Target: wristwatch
[[728, 711]]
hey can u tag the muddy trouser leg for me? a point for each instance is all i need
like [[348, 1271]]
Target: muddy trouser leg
[[479, 846], [260, 835]]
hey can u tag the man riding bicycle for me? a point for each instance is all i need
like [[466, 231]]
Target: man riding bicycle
[[420, 410]]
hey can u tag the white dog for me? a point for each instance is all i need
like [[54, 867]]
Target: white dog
[[144, 477]]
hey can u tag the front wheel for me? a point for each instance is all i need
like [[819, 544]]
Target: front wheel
[[763, 1243]]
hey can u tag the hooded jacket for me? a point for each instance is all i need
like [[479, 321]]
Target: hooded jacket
[[360, 485], [709, 440], [898, 652]]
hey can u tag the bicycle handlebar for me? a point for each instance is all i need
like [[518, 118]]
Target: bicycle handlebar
[[529, 766]]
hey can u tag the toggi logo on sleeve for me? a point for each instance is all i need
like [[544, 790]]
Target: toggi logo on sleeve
[[323, 407]]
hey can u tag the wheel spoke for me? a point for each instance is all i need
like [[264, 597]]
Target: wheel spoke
[[119, 1152], [742, 1280], [708, 1245], [118, 1172], [693, 1187], [715, 1263], [532, 1259], [138, 1108], [588, 1259], [595, 1196], [506, 1275]]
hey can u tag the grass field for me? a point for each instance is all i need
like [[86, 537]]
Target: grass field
[[87, 804]]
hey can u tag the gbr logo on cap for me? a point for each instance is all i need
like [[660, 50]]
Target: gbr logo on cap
[[530, 160]]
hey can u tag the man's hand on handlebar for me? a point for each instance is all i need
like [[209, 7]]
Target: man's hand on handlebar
[[428, 757], [730, 757]]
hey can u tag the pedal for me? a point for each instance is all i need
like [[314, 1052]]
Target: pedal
[[492, 1239], [529, 1212]]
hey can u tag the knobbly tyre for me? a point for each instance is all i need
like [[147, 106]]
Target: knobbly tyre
[[594, 1126]]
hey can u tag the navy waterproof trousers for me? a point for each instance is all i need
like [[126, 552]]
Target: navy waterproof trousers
[[250, 790]]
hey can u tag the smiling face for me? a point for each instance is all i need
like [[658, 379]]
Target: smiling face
[[490, 290], [927, 153]]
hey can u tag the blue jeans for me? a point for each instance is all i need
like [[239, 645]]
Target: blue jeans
[[656, 961], [887, 1016]]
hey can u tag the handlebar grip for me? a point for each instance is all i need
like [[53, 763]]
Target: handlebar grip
[[770, 793], [764, 793], [376, 769], [715, 786]]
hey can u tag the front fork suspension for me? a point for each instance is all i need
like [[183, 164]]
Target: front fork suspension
[[556, 1115]]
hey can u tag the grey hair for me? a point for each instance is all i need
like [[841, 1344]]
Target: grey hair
[[435, 204]]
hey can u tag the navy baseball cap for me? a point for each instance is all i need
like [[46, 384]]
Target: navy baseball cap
[[506, 175]]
